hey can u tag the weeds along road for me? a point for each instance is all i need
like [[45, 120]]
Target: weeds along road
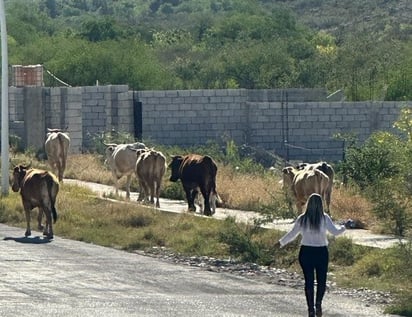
[[358, 236], [71, 278]]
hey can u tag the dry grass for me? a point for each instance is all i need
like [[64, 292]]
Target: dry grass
[[88, 167], [347, 204], [246, 191], [238, 190]]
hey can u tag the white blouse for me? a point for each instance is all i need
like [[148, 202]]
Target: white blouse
[[310, 237]]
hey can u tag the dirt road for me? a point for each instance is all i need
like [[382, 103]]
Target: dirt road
[[358, 236]]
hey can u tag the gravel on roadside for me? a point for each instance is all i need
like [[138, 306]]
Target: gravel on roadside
[[263, 273]]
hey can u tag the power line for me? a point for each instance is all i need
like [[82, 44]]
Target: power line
[[55, 78]]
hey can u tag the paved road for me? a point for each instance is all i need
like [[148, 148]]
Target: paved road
[[70, 278]]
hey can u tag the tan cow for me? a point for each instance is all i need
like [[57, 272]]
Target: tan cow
[[303, 183], [38, 188], [57, 146], [328, 170], [150, 169], [121, 159]]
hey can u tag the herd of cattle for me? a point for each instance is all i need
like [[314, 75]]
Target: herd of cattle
[[39, 188]]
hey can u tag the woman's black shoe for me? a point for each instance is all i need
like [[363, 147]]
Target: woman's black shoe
[[318, 310]]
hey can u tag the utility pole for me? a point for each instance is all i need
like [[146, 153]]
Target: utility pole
[[4, 104]]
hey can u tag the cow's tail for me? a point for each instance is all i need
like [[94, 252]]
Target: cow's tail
[[52, 188], [64, 151], [213, 192]]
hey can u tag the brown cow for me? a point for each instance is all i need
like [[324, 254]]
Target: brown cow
[[303, 183], [150, 169], [38, 188], [57, 146], [328, 170], [196, 172]]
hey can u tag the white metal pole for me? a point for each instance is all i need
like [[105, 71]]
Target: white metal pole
[[4, 104]]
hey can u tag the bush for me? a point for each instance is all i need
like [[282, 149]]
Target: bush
[[98, 140], [239, 239], [341, 251]]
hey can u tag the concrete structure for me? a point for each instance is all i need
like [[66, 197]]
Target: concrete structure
[[298, 124]]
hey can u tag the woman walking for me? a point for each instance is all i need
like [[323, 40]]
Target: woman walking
[[313, 225]]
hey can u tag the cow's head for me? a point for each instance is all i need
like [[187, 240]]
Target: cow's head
[[288, 174], [301, 166], [18, 174], [109, 151], [142, 151], [174, 166]]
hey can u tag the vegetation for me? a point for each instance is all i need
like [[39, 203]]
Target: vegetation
[[362, 48], [129, 226]]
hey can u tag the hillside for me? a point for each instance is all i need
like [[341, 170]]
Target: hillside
[[363, 48], [336, 17], [389, 17]]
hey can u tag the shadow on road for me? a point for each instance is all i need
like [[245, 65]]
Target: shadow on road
[[32, 240]]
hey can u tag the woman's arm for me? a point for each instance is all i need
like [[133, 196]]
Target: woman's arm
[[332, 228], [291, 235]]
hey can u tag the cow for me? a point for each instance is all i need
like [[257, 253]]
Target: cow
[[303, 183], [195, 172], [150, 168], [121, 159], [38, 188], [57, 146], [328, 170]]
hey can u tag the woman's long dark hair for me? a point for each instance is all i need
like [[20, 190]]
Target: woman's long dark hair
[[314, 213]]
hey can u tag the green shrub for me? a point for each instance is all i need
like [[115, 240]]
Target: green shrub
[[402, 306], [341, 251], [98, 140], [239, 241]]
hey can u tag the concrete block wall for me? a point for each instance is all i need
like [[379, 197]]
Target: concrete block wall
[[188, 117], [296, 124], [307, 130], [104, 108]]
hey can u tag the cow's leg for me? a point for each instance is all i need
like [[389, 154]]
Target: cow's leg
[[213, 199], [206, 195], [190, 198], [145, 190], [62, 168], [128, 181], [141, 191], [327, 199], [59, 171], [39, 219], [116, 183], [48, 230], [157, 188], [152, 187], [27, 211]]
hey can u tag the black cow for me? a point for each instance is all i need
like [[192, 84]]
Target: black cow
[[196, 172]]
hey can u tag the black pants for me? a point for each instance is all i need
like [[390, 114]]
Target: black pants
[[314, 259]]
